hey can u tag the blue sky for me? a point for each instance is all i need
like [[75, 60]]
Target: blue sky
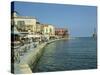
[[80, 20]]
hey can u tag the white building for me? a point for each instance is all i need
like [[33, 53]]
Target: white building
[[24, 23], [48, 30], [39, 28]]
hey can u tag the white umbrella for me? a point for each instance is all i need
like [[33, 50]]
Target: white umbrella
[[34, 36]]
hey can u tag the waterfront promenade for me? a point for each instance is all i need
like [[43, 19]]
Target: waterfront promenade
[[29, 60]]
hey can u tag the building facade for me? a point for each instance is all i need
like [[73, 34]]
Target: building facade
[[38, 28], [48, 29], [61, 33], [23, 23], [31, 25]]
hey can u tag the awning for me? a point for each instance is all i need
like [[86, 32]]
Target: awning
[[34, 36]]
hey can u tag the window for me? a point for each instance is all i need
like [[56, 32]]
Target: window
[[50, 30], [20, 23]]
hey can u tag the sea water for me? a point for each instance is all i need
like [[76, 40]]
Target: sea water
[[73, 54]]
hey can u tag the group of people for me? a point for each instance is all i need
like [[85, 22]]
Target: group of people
[[20, 45]]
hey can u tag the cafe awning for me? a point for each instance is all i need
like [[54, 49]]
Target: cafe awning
[[33, 36]]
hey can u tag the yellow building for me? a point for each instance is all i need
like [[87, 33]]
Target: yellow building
[[24, 23], [48, 30]]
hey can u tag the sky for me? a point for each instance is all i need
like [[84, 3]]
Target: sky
[[79, 20]]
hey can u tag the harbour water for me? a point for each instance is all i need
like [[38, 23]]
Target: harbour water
[[73, 54]]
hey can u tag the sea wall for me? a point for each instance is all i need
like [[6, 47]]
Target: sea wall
[[28, 62], [30, 59]]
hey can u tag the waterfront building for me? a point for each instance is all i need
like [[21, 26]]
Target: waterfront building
[[23, 23], [38, 28], [61, 32], [48, 30]]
